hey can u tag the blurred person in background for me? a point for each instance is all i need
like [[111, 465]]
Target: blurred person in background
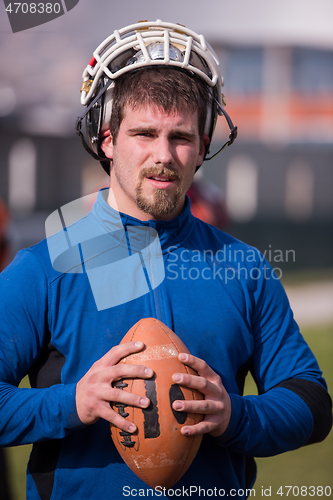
[[207, 203]]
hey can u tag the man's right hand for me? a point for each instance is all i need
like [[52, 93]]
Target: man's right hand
[[94, 391]]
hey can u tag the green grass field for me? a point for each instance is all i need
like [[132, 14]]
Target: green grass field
[[310, 466]]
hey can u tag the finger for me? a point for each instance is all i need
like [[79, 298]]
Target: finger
[[205, 406], [199, 365], [112, 416], [114, 355], [203, 427], [123, 370], [116, 396], [201, 384]]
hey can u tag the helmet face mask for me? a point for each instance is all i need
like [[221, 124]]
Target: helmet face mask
[[145, 44]]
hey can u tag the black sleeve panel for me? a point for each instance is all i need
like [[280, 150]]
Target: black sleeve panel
[[319, 402]]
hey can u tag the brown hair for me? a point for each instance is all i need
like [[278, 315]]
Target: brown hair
[[167, 88]]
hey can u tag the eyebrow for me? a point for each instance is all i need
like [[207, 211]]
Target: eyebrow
[[147, 130]]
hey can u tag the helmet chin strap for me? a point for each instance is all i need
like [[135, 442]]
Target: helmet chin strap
[[233, 131]]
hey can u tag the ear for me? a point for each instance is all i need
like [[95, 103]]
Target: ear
[[107, 145], [204, 144]]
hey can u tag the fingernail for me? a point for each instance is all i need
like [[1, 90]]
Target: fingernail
[[138, 344], [149, 372], [178, 405], [177, 377], [183, 357], [185, 431], [144, 402], [132, 428]]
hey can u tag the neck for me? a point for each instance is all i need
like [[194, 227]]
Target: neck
[[134, 211]]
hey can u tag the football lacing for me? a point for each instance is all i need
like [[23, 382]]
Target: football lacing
[[121, 410]]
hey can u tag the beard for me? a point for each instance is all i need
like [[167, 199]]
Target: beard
[[162, 203]]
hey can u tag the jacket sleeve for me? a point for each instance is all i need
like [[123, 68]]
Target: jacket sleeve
[[28, 415], [293, 407]]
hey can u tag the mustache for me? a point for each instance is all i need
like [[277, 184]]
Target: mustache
[[156, 171]]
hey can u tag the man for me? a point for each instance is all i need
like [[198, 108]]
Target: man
[[152, 93]]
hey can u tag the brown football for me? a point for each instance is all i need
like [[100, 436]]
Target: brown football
[[157, 452]]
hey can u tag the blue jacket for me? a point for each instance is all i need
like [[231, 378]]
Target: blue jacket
[[61, 310]]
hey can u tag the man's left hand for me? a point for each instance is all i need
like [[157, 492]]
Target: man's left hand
[[216, 405]]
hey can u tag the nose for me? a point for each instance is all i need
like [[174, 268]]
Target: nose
[[163, 154]]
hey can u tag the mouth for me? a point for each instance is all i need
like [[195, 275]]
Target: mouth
[[161, 181]]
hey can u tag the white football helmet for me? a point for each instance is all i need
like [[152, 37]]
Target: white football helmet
[[138, 46]]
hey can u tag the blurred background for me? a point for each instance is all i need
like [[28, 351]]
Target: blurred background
[[274, 185]]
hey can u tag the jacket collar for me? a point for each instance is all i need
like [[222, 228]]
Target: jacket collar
[[171, 233]]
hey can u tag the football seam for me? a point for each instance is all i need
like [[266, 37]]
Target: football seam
[[186, 368], [193, 396], [146, 480], [128, 443]]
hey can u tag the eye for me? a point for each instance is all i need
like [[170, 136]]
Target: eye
[[181, 139], [145, 134]]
